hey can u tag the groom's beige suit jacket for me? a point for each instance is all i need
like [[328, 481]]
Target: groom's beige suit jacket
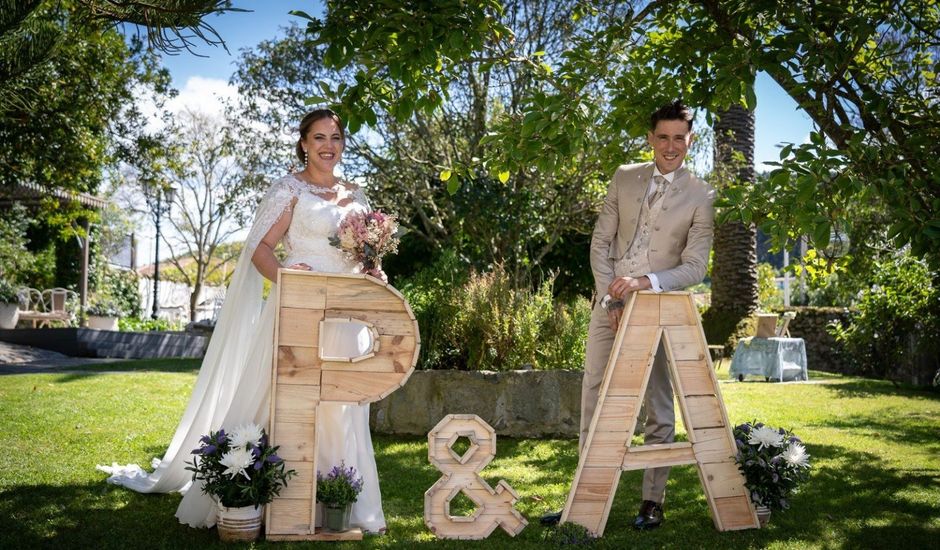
[[681, 237]]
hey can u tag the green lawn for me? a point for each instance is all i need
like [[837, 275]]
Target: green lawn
[[875, 481]]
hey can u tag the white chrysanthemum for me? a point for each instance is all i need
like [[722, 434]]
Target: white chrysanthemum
[[796, 455], [236, 461], [246, 434], [765, 437]]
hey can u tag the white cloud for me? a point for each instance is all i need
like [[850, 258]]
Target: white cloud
[[205, 95]]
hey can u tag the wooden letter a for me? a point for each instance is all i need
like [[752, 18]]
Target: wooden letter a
[[670, 318]]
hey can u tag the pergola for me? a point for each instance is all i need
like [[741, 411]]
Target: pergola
[[28, 193]]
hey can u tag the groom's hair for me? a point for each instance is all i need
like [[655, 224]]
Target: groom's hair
[[672, 111]]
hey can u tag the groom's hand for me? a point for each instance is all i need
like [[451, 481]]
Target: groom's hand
[[620, 287], [613, 316]]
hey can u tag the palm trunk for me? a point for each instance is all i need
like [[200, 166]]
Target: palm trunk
[[734, 265]]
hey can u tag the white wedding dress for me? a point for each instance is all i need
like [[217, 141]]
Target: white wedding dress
[[235, 378]]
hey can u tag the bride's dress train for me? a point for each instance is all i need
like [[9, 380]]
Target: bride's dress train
[[235, 378]]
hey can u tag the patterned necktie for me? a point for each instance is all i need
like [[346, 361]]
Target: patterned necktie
[[660, 189]]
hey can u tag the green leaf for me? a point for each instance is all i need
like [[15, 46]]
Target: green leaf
[[315, 99], [453, 185], [445, 175]]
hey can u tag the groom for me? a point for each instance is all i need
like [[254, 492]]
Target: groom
[[654, 232]]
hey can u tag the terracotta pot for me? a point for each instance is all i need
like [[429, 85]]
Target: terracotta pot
[[336, 517], [763, 515], [9, 315], [241, 524]]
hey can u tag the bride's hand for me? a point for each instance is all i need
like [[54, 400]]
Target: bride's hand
[[301, 266]]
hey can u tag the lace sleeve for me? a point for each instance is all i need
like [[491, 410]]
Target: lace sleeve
[[277, 201], [358, 195]]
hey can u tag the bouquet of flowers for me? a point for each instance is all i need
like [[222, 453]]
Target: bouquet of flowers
[[366, 238], [239, 468], [773, 461], [339, 487]]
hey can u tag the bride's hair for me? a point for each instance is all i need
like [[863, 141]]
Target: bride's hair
[[307, 121]]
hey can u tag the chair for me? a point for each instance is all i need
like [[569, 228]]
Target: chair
[[783, 328], [50, 305]]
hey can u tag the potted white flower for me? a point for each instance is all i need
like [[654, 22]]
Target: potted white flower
[[243, 473], [774, 462], [9, 305]]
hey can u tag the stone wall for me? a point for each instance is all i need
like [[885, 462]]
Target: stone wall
[[823, 352], [515, 403]]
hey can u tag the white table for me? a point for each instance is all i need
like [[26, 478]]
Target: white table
[[777, 358]]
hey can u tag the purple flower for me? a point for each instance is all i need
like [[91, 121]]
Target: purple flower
[[209, 449], [197, 451], [275, 459], [258, 464], [205, 439]]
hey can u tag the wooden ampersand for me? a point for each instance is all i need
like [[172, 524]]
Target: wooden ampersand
[[461, 475]]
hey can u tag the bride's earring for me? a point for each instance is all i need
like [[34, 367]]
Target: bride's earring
[[306, 158]]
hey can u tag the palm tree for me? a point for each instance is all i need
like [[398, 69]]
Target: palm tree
[[734, 265]]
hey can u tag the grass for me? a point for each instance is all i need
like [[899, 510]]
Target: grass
[[875, 481]]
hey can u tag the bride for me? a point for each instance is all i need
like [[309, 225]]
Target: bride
[[302, 210]]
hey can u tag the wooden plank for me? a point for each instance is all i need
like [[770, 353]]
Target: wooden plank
[[615, 413], [321, 535], [704, 412], [596, 484], [637, 343], [713, 445], [350, 293], [299, 485], [298, 365], [296, 440], [387, 322], [356, 387], [590, 515], [645, 310], [607, 449], [627, 378], [302, 290], [654, 456], [299, 327], [296, 403], [687, 344], [289, 516], [723, 479], [396, 353], [694, 378], [736, 513], [676, 309]]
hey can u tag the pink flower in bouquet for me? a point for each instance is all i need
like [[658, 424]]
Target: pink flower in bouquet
[[366, 238]]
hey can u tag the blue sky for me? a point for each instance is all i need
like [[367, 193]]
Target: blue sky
[[777, 117]]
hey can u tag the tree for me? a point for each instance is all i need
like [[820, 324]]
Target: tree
[[35, 32], [425, 166], [734, 282], [209, 186], [863, 71]]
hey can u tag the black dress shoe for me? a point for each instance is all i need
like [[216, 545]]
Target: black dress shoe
[[650, 517], [551, 518]]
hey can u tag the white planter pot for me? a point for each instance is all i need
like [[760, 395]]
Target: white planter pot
[[102, 323], [239, 524], [9, 315]]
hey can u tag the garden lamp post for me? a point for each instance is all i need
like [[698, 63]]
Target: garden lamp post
[[168, 193]]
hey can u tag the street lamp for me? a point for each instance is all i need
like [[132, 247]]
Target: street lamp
[[169, 192]]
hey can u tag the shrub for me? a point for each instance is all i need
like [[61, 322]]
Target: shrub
[[8, 292], [887, 337], [137, 324], [483, 322]]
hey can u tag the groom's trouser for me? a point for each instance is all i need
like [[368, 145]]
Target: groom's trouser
[[657, 406]]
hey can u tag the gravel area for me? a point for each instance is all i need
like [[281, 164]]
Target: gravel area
[[17, 359]]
